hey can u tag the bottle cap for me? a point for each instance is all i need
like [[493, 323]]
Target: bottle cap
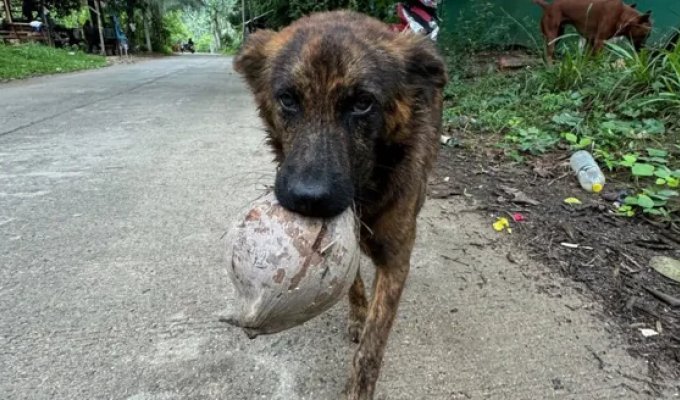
[[597, 187]]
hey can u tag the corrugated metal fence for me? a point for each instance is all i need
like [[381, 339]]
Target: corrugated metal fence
[[508, 22]]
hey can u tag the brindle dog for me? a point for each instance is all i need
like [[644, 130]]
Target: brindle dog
[[353, 114]]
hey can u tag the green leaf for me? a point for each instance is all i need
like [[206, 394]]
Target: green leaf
[[656, 152], [585, 142], [662, 172], [667, 193], [631, 200], [566, 119], [640, 169], [628, 160], [654, 126], [570, 137], [625, 210], [660, 181], [645, 201], [654, 160]]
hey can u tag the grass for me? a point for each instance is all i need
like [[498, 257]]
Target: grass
[[622, 106], [25, 60]]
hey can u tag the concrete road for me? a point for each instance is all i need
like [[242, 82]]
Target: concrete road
[[116, 187]]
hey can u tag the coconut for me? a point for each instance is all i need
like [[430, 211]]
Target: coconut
[[287, 268]]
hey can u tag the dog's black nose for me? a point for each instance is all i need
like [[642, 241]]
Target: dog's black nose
[[312, 197]]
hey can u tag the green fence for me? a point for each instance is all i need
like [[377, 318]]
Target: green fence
[[516, 22]]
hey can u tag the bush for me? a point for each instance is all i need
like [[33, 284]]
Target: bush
[[204, 43], [621, 105]]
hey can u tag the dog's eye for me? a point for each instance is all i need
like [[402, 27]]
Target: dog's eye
[[289, 102], [362, 105]]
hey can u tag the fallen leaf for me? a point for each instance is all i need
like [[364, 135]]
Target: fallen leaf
[[542, 171], [646, 332], [512, 258], [572, 200], [518, 196], [502, 224], [666, 266], [575, 246]]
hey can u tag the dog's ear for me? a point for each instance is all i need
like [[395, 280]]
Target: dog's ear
[[424, 65], [646, 17], [251, 60]]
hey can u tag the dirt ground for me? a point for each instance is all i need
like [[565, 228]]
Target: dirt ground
[[610, 264], [113, 205]]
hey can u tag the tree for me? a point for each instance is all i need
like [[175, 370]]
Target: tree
[[284, 12], [211, 20]]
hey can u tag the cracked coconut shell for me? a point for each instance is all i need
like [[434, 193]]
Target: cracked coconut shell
[[287, 268]]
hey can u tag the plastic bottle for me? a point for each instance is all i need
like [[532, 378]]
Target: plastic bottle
[[589, 174]]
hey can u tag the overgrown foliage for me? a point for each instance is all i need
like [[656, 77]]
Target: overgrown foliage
[[491, 25], [34, 59], [281, 13], [622, 106], [210, 25]]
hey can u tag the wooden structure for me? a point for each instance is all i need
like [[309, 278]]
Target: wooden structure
[[12, 30], [15, 28]]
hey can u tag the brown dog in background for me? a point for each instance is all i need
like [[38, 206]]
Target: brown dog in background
[[353, 114], [596, 20]]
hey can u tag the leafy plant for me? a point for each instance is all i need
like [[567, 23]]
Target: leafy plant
[[622, 106], [531, 140], [576, 142]]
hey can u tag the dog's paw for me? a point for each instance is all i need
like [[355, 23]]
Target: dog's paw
[[354, 392]]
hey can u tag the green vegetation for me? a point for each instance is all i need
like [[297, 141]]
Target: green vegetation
[[35, 59], [211, 27], [283, 12], [75, 18], [470, 36], [622, 106]]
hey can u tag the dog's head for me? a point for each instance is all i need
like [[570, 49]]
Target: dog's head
[[333, 89], [636, 26]]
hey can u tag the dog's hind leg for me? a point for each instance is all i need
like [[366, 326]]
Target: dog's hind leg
[[358, 308], [597, 46], [551, 34]]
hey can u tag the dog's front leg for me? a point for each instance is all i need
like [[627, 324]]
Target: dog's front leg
[[391, 273]]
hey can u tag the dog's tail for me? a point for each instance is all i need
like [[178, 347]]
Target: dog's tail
[[544, 4]]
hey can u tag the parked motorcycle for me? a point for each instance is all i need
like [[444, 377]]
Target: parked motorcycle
[[419, 16], [188, 47]]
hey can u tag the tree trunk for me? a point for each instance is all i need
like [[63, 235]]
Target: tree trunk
[[102, 47], [243, 20], [216, 40], [216, 33], [48, 28], [147, 36], [130, 11]]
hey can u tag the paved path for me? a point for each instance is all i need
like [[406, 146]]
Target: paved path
[[116, 186]]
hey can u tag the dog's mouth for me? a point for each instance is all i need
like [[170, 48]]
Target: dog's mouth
[[315, 177], [312, 195]]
